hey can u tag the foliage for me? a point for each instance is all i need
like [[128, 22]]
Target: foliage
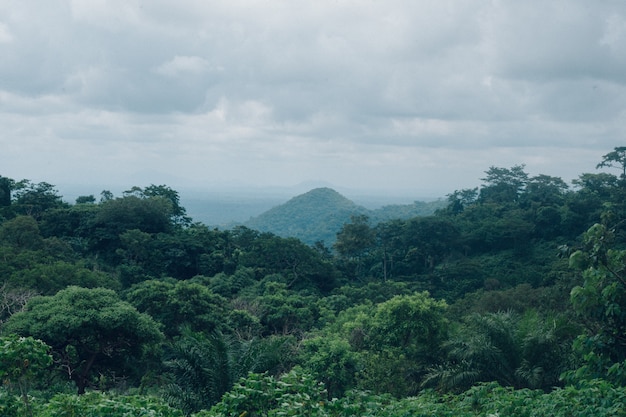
[[95, 404], [87, 329], [295, 393], [22, 361], [205, 366], [599, 301], [353, 318], [179, 303], [615, 159], [521, 351], [332, 361]]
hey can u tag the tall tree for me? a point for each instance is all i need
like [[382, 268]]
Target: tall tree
[[354, 241], [33, 199], [6, 184], [503, 185], [615, 159]]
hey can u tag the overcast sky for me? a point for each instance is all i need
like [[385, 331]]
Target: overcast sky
[[413, 95]]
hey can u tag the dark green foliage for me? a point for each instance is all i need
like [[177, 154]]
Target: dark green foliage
[[518, 351], [6, 184], [303, 267], [114, 217], [21, 233], [205, 366], [34, 199], [179, 303], [615, 159]]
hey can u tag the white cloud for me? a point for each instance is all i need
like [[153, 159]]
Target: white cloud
[[182, 65]]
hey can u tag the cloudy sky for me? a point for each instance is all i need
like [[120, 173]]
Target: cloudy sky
[[414, 95]]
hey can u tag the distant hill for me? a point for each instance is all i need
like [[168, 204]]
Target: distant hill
[[310, 217], [320, 213]]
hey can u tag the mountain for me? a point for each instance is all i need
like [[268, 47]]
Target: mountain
[[320, 213], [312, 216]]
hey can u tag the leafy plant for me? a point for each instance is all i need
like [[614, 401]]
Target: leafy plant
[[22, 361]]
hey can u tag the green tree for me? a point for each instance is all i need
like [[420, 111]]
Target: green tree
[[6, 185], [460, 199], [397, 342], [301, 265], [503, 185], [600, 302], [354, 241], [22, 362], [88, 329], [116, 216], [34, 199], [615, 159], [331, 360], [179, 303], [545, 190], [21, 232]]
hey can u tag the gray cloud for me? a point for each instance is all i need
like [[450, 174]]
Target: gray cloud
[[422, 94]]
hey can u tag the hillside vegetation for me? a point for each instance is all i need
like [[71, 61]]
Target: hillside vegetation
[[509, 300], [319, 214]]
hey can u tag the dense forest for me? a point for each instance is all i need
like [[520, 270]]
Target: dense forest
[[509, 300]]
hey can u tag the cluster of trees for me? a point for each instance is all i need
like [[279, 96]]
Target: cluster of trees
[[519, 283]]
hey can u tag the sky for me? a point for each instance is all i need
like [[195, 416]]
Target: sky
[[409, 96]]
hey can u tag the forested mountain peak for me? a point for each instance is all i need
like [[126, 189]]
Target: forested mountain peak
[[315, 215], [322, 197]]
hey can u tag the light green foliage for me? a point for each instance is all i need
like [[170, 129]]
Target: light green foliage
[[22, 361], [331, 360], [87, 329], [95, 404], [391, 344], [413, 323], [296, 394], [293, 394]]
